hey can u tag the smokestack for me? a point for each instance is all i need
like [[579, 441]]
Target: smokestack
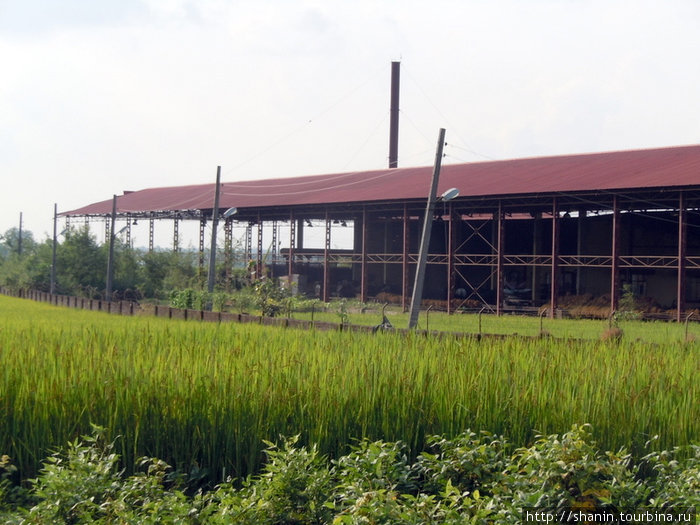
[[394, 117]]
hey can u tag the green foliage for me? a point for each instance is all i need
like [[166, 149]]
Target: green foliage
[[269, 296], [375, 483], [189, 299]]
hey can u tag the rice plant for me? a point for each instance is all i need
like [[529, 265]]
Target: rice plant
[[203, 397]]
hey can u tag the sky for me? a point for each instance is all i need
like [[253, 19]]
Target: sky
[[98, 97]]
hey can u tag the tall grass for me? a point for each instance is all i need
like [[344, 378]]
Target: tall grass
[[205, 395]]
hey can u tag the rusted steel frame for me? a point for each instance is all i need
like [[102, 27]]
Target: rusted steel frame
[[682, 249], [363, 259], [326, 267], [248, 247], [151, 226], [554, 277], [615, 258], [476, 232], [474, 289], [228, 248], [405, 294], [202, 229], [292, 241], [259, 260], [176, 235], [450, 258], [500, 238], [128, 232]]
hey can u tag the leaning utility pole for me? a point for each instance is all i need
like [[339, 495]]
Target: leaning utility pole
[[19, 238], [110, 257], [417, 296], [214, 225], [52, 289]]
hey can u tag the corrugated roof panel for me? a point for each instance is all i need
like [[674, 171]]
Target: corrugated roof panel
[[651, 168]]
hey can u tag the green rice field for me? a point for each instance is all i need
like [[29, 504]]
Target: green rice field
[[206, 395]]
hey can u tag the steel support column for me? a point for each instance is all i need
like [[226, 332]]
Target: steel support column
[[615, 257], [326, 253], [682, 246], [259, 260], [404, 260], [535, 297], [176, 235], [202, 230], [228, 249], [292, 241], [151, 226], [248, 250], [450, 258], [363, 263], [498, 221], [554, 275], [128, 232]]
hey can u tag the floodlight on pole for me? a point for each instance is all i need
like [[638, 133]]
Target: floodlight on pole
[[230, 212], [449, 194]]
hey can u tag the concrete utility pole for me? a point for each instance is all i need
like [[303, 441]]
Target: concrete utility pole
[[19, 238], [214, 225], [110, 257], [417, 296], [52, 289]]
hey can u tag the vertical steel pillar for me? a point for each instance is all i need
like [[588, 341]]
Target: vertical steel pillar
[[176, 235], [450, 258], [151, 225], [682, 246], [535, 248], [228, 249], [274, 242], [404, 259], [259, 264], [579, 248], [363, 262], [326, 254], [615, 262], [554, 275], [108, 222], [292, 241], [498, 220], [248, 244], [202, 229], [128, 232]]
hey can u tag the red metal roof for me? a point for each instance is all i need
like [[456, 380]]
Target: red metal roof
[[621, 170]]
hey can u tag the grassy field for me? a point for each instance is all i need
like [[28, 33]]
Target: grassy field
[[202, 395], [650, 331]]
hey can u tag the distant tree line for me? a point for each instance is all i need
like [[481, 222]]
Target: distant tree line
[[81, 267]]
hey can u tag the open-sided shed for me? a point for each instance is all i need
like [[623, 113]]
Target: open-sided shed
[[521, 232]]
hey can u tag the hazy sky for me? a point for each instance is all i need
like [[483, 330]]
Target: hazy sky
[[102, 96]]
